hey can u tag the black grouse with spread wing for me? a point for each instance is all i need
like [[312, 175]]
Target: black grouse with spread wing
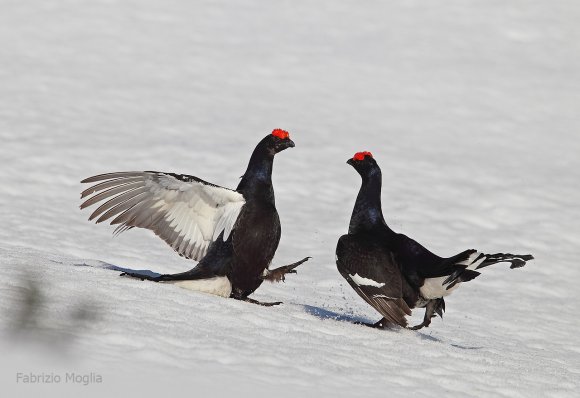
[[232, 233], [392, 272]]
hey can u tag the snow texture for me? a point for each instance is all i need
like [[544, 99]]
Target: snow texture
[[470, 108]]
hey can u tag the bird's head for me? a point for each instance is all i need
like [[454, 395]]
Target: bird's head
[[364, 164], [277, 141]]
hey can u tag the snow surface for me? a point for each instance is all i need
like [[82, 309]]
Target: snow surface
[[471, 109]]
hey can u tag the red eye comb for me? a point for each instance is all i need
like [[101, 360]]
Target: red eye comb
[[282, 134], [361, 155]]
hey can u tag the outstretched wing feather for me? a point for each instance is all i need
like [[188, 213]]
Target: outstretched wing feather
[[185, 211]]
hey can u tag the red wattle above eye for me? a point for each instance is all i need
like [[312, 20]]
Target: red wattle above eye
[[282, 134], [361, 155]]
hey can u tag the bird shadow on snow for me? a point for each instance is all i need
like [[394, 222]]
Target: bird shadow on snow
[[104, 265], [427, 337], [323, 314], [317, 312]]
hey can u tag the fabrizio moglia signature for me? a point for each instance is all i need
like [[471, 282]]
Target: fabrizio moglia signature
[[59, 378]]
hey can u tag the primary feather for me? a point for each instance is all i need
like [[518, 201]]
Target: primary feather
[[186, 212]]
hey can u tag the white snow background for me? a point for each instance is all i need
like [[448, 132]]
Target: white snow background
[[471, 109]]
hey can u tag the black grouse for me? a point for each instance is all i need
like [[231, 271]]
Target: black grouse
[[233, 234], [392, 272]]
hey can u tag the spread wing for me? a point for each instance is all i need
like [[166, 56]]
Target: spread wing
[[185, 211], [375, 276]]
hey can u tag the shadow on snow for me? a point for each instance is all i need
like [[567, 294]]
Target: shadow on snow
[[317, 312], [104, 265]]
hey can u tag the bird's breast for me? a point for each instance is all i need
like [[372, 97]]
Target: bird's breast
[[255, 241]]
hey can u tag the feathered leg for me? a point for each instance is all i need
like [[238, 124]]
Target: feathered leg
[[278, 274], [436, 306], [275, 275]]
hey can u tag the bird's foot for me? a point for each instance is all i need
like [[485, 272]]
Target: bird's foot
[[424, 324], [249, 300], [434, 307], [279, 274], [429, 314]]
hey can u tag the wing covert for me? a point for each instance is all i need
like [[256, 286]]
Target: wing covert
[[373, 273], [186, 212]]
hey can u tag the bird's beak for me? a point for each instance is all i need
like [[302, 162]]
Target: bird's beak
[[290, 144], [350, 161]]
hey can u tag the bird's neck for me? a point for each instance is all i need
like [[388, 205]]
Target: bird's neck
[[367, 214], [256, 182]]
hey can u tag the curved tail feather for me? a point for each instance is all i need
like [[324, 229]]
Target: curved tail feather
[[465, 270], [516, 260]]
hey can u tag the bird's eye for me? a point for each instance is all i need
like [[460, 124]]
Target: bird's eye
[[282, 134]]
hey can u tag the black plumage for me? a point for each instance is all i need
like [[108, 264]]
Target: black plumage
[[233, 233], [392, 272]]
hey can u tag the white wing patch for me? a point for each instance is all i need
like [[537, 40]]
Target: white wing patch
[[360, 281], [384, 296], [186, 212]]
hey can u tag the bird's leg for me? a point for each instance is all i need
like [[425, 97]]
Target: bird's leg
[[433, 306], [249, 300], [278, 274]]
